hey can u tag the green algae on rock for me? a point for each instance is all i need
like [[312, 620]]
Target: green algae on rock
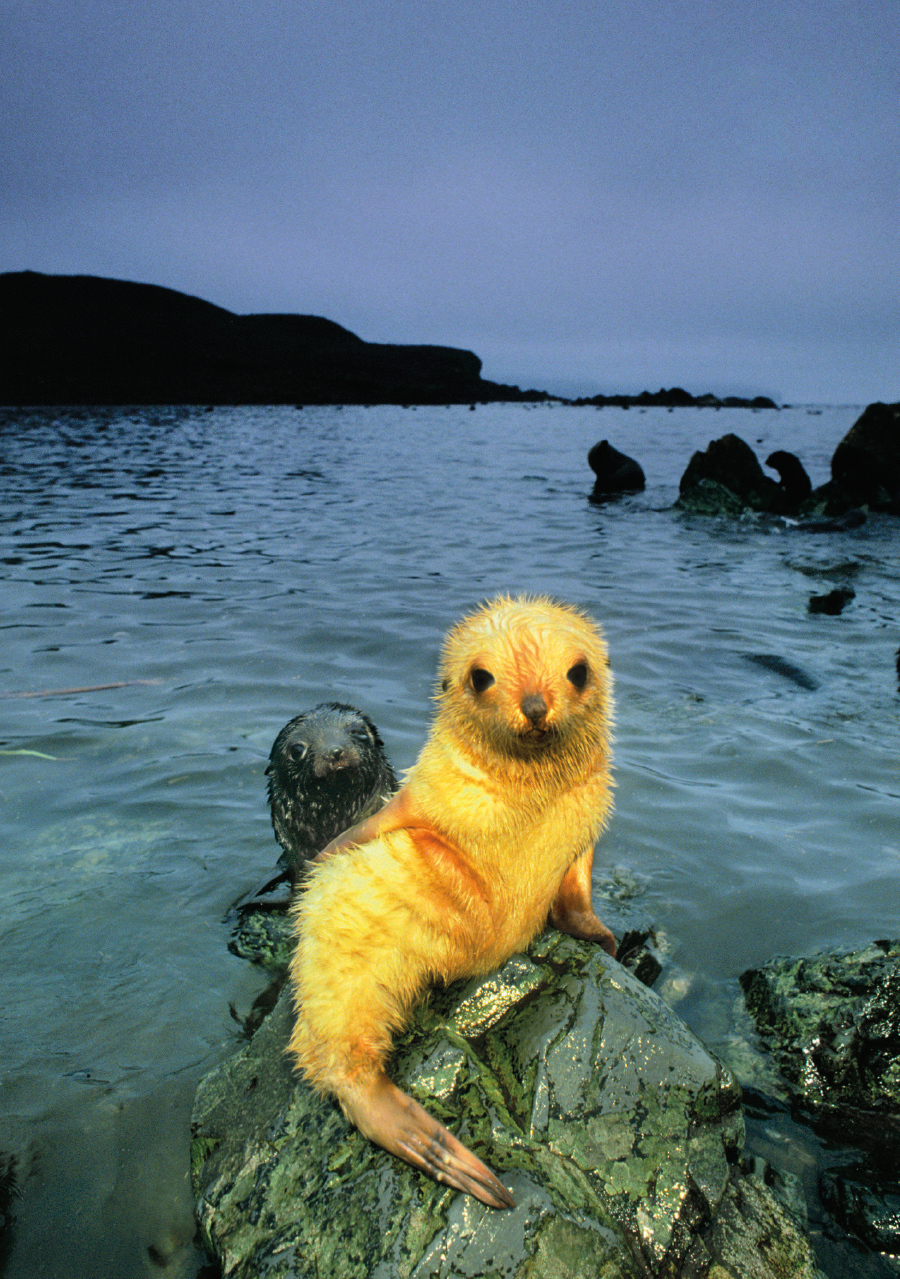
[[614, 1128], [264, 937], [832, 1021]]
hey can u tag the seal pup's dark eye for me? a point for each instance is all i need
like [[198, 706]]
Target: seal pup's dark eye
[[299, 750], [481, 679], [577, 674]]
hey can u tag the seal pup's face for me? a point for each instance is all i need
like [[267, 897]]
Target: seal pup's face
[[325, 740], [527, 677]]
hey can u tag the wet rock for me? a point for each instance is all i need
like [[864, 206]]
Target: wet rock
[[833, 602], [832, 1021], [854, 518], [8, 1194], [730, 464], [615, 472], [709, 497], [865, 467], [264, 936], [617, 1132], [869, 1210]]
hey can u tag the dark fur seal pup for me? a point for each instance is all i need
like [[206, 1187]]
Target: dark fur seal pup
[[615, 472], [794, 482], [327, 770], [491, 837]]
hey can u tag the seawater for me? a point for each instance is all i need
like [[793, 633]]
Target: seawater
[[225, 569]]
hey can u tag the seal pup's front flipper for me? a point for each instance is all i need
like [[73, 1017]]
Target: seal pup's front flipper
[[394, 1121], [572, 911], [396, 813]]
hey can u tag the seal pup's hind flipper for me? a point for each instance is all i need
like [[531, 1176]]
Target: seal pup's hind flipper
[[393, 1120]]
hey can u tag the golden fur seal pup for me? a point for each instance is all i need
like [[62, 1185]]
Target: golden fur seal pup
[[491, 835]]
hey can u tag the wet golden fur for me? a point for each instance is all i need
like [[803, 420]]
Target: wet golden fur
[[465, 864]]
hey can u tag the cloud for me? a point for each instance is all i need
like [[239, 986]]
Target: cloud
[[550, 178]]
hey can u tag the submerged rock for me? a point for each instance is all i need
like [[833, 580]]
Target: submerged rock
[[832, 603], [264, 936], [865, 1207], [617, 1132]]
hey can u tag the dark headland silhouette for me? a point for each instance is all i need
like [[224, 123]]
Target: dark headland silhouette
[[77, 339], [81, 339]]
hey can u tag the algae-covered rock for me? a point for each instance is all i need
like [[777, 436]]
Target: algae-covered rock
[[832, 1021], [727, 479], [610, 1123], [264, 937]]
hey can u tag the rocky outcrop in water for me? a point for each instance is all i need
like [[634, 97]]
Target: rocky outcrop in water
[[618, 1134], [832, 1021], [727, 479], [832, 1024], [86, 340], [865, 467], [676, 398], [833, 602]]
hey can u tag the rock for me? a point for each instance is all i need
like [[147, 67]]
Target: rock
[[728, 462], [264, 936], [617, 1132], [615, 472], [676, 397], [709, 497], [854, 518], [865, 467], [868, 1209], [832, 1022], [833, 602], [87, 340]]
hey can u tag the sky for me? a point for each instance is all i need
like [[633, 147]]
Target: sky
[[593, 195]]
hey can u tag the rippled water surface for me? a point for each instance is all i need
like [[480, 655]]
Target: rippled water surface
[[223, 570]]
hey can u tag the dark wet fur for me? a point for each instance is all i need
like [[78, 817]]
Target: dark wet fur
[[327, 770]]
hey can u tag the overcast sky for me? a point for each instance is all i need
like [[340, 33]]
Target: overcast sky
[[605, 195]]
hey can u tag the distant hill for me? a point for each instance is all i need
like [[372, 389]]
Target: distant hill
[[81, 339]]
